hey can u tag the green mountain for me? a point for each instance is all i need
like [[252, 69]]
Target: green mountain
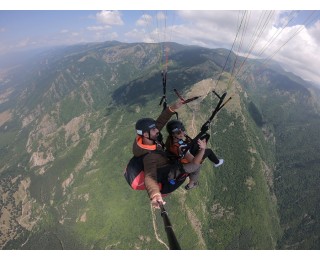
[[67, 121]]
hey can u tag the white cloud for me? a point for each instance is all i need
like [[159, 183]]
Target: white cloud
[[113, 35], [219, 28], [300, 55], [109, 18], [315, 32], [139, 35], [296, 48], [161, 16], [144, 20], [98, 28]]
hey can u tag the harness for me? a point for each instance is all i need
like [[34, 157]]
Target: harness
[[167, 176]]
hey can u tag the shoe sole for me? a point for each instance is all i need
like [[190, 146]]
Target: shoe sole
[[194, 186]]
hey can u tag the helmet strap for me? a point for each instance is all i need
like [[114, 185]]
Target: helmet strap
[[158, 140], [148, 137]]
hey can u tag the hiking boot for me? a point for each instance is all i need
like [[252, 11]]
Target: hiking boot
[[187, 187], [221, 161]]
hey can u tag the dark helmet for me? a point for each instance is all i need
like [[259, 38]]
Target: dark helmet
[[144, 125], [174, 126]]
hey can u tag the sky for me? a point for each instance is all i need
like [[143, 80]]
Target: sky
[[286, 33]]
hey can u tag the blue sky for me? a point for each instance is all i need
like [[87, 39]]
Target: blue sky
[[289, 37]]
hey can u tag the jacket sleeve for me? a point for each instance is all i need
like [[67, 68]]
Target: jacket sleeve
[[164, 118], [150, 174]]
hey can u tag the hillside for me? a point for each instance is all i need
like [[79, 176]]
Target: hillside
[[66, 130]]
